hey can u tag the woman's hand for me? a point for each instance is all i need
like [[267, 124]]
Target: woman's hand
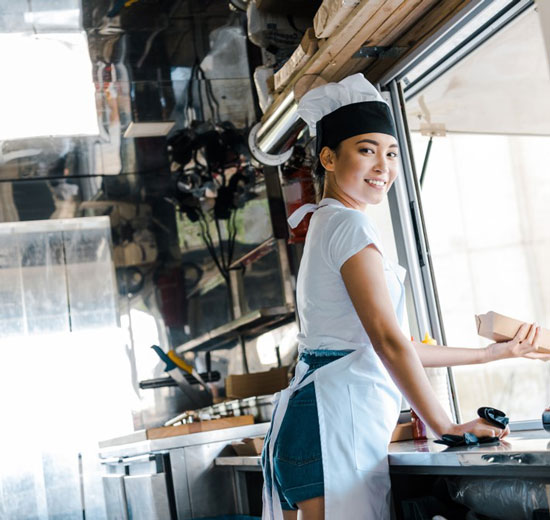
[[480, 428], [524, 344]]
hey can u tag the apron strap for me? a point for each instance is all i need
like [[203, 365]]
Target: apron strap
[[297, 217], [273, 509]]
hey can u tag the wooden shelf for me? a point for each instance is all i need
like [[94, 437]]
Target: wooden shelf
[[255, 254], [250, 325], [403, 24]]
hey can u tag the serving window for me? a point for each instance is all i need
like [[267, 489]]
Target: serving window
[[479, 137]]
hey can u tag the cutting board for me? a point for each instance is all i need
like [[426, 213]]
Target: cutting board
[[201, 426]]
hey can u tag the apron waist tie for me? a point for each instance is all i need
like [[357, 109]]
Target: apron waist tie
[[272, 505]]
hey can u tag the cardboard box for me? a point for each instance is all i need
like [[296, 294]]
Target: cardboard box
[[258, 383], [331, 14], [249, 447], [402, 432], [502, 328], [307, 48]]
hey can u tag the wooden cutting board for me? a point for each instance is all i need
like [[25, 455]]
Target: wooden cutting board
[[201, 426]]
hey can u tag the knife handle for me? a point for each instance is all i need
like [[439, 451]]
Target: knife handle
[[180, 363], [170, 365]]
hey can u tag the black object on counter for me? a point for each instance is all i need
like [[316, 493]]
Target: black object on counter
[[208, 377], [468, 439], [157, 383], [491, 415], [494, 416], [546, 420]]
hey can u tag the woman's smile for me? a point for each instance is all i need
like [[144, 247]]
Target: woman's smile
[[376, 184]]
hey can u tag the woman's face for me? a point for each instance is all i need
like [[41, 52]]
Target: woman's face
[[363, 168]]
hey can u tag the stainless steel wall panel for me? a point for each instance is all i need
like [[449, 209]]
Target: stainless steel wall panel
[[180, 483], [211, 487], [147, 497], [115, 497]]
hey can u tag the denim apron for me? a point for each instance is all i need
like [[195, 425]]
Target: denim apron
[[358, 407]]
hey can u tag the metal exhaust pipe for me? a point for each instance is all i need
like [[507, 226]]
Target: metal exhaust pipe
[[271, 142]]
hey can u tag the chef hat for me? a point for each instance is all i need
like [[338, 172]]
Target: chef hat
[[337, 111]]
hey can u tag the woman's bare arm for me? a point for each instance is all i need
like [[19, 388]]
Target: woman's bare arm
[[441, 356], [522, 345], [365, 281], [363, 275]]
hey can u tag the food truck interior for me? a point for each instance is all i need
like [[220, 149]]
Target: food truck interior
[[150, 154]]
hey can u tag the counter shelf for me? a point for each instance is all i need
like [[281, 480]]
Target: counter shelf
[[248, 326], [250, 463], [527, 455], [117, 447], [522, 453]]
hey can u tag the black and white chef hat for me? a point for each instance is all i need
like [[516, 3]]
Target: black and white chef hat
[[336, 111]]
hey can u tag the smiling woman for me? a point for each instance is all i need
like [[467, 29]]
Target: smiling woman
[[50, 91], [367, 165], [326, 450]]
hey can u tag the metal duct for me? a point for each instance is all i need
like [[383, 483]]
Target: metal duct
[[271, 142]]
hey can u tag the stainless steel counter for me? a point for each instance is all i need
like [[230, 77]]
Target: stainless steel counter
[[175, 477], [133, 449], [199, 464], [414, 464], [526, 453], [519, 454], [252, 462]]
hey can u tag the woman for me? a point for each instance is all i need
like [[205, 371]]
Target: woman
[[326, 452]]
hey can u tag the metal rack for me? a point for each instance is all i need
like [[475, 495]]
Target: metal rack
[[249, 325]]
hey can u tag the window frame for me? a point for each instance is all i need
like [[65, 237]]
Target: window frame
[[464, 33]]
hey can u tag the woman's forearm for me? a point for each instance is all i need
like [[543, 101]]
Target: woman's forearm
[[441, 356], [405, 368]]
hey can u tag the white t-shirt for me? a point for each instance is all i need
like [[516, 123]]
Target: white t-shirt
[[328, 319]]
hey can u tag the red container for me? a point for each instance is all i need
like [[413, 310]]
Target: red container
[[418, 427], [298, 189]]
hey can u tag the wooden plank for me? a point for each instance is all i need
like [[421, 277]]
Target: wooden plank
[[427, 26], [348, 39], [330, 15], [383, 17], [399, 23], [301, 55], [379, 35], [408, 21], [386, 40], [201, 426], [331, 47]]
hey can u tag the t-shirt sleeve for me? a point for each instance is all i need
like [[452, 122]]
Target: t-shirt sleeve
[[348, 233]]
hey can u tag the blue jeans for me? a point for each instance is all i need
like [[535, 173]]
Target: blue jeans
[[297, 460]]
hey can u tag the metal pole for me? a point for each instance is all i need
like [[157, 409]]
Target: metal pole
[[416, 242], [426, 159]]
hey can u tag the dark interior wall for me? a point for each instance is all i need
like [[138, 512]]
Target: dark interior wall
[[164, 268], [168, 284]]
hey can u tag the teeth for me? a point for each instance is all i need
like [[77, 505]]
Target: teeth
[[376, 183]]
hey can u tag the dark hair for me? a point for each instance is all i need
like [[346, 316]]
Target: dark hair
[[318, 172]]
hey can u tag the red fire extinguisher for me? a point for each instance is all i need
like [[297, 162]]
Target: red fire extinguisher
[[298, 189]]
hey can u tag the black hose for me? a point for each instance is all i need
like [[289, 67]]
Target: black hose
[[426, 158]]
